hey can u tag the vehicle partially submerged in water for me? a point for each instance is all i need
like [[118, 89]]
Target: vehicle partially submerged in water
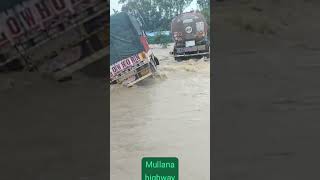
[[131, 59], [190, 34], [56, 38]]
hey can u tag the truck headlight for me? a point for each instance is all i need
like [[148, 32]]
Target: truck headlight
[[142, 56]]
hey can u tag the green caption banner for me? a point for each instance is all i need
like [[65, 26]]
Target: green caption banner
[[160, 168]]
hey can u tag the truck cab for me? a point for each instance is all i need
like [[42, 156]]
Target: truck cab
[[131, 59]]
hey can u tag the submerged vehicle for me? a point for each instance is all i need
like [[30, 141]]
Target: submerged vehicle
[[53, 37], [131, 60], [190, 34]]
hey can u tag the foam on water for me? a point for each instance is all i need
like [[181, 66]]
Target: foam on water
[[163, 116]]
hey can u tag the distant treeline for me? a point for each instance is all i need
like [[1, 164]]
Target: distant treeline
[[160, 37], [156, 15]]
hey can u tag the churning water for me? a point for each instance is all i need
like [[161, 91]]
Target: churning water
[[165, 116]]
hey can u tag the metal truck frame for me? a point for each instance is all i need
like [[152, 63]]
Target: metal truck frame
[[81, 28], [143, 68]]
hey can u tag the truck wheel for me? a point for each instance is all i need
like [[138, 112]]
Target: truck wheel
[[178, 59], [156, 60], [153, 68]]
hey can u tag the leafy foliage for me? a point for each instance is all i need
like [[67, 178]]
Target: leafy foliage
[[162, 39], [204, 6], [154, 14]]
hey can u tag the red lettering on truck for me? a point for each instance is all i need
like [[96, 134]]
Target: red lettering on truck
[[59, 5], [28, 17], [14, 26], [43, 10]]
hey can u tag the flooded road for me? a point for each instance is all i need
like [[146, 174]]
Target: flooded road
[[168, 116]]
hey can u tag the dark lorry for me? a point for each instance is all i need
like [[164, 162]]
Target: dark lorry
[[131, 60], [190, 34]]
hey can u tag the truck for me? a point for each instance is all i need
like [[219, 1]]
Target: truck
[[190, 35], [131, 59], [54, 37]]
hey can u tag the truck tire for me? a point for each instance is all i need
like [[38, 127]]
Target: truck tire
[[156, 60], [153, 68], [178, 59]]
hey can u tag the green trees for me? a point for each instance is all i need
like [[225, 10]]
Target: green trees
[[204, 6], [162, 39], [154, 14]]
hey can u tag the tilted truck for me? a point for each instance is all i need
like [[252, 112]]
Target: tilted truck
[[190, 34], [55, 37], [131, 59]]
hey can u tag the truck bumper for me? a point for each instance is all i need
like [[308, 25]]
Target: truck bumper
[[201, 50], [193, 54], [137, 74]]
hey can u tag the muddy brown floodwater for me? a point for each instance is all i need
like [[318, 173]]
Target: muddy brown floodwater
[[166, 116]]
